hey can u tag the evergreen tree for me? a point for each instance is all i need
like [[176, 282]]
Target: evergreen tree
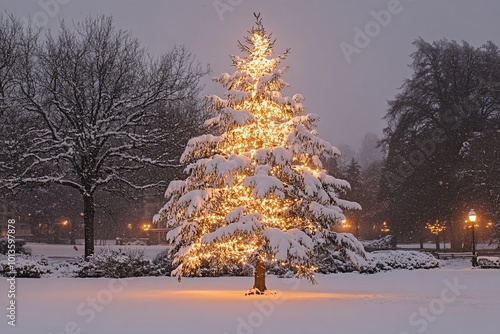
[[256, 189], [353, 175]]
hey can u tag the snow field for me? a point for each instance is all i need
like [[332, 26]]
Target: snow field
[[401, 302]]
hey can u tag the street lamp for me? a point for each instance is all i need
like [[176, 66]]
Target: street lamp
[[72, 232], [472, 219]]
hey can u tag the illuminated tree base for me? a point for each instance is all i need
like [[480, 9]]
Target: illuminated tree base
[[255, 291]]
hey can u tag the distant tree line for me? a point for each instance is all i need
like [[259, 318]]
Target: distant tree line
[[441, 146]]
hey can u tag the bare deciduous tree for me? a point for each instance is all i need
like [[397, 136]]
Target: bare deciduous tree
[[94, 97]]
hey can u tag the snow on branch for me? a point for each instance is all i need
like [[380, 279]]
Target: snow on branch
[[274, 156], [308, 121], [200, 146], [174, 188], [332, 181], [264, 185], [321, 212], [247, 224], [292, 244], [217, 103], [194, 201], [218, 166], [186, 231], [235, 96], [228, 118], [347, 205], [302, 141]]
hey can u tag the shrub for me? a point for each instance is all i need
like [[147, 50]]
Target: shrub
[[117, 264], [488, 262], [24, 266]]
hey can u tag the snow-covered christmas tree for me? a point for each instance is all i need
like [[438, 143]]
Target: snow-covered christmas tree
[[256, 190]]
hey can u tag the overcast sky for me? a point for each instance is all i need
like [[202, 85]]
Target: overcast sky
[[349, 93]]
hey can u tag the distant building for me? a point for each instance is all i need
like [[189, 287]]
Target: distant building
[[8, 210], [157, 232]]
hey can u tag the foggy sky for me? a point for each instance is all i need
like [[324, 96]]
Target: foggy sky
[[350, 97]]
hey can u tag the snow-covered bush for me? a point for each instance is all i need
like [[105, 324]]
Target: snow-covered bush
[[386, 242], [488, 262], [25, 266], [117, 264], [4, 246], [378, 261], [344, 253], [337, 262], [388, 260], [164, 261]]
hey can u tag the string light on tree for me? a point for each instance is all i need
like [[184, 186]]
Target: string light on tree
[[256, 189], [436, 228]]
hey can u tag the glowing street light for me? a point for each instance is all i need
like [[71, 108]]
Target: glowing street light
[[472, 219], [71, 231]]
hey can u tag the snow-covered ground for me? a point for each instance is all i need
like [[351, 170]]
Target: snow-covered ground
[[447, 246], [65, 251], [454, 299]]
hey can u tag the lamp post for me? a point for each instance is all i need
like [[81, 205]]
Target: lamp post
[[72, 239], [472, 219]]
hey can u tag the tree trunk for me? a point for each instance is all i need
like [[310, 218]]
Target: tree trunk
[[455, 233], [88, 221], [438, 246], [467, 238], [260, 275]]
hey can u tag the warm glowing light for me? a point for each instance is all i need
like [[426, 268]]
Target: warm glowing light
[[146, 227], [259, 133], [64, 222], [345, 224], [270, 126], [472, 216], [436, 227]]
